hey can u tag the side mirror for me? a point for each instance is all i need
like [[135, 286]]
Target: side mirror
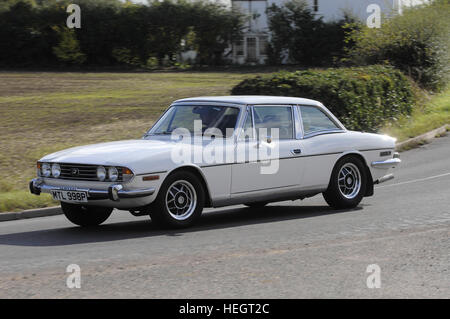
[[267, 139]]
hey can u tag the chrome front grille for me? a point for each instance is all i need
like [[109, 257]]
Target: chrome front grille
[[83, 172]]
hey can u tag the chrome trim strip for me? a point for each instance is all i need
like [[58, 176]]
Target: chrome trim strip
[[317, 133], [387, 163], [151, 173], [273, 159], [376, 149], [298, 123]]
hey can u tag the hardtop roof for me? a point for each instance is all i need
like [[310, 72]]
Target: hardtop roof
[[251, 99]]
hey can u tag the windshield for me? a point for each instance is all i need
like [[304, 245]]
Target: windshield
[[183, 116]]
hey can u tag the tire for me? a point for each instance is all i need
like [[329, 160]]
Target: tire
[[85, 216], [256, 205], [348, 183], [180, 201]]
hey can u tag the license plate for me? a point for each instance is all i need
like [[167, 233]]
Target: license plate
[[70, 196]]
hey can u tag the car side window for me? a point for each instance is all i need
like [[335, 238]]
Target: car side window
[[274, 117], [314, 120]]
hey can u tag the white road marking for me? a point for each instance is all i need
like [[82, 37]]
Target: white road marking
[[415, 180]]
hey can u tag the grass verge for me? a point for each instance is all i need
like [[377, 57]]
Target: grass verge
[[429, 113], [21, 200]]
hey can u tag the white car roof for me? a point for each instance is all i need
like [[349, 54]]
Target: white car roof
[[251, 99]]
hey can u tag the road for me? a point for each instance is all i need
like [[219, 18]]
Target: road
[[300, 249]]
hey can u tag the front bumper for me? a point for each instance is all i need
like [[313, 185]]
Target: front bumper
[[114, 192], [389, 163], [386, 165]]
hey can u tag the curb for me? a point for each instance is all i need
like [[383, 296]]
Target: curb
[[421, 139], [31, 213], [56, 210]]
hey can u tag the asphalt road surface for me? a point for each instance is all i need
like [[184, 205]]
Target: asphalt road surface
[[287, 250]]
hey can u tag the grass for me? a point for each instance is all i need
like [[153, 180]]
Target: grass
[[43, 112], [21, 200], [429, 113]]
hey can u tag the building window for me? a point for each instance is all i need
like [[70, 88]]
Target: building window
[[239, 47], [263, 44], [251, 49], [316, 5]]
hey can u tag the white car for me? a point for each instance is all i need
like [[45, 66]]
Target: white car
[[249, 150]]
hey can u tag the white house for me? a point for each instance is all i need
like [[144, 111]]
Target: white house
[[252, 48]]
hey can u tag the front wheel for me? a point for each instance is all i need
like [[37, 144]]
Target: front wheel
[[348, 183], [179, 202], [85, 216]]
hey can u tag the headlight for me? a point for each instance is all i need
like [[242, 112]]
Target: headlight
[[101, 173], [46, 170], [56, 170], [113, 174]]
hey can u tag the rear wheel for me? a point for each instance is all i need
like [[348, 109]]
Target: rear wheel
[[348, 183], [179, 202], [85, 216]]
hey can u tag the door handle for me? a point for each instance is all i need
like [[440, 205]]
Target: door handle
[[296, 151]]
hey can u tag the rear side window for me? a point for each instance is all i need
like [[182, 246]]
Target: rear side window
[[315, 120], [274, 117]]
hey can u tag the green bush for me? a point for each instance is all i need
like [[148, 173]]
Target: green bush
[[417, 42], [362, 98]]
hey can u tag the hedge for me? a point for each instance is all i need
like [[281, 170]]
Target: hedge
[[363, 98]]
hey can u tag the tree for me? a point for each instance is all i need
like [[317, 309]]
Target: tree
[[68, 49], [305, 38], [417, 42], [215, 28]]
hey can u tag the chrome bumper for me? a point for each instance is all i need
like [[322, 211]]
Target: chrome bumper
[[114, 192], [389, 163]]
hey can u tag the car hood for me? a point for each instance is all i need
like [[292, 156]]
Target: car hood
[[129, 153]]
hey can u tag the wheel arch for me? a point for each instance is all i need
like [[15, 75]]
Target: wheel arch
[[369, 188], [199, 174]]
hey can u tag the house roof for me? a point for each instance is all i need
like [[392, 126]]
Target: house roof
[[251, 99]]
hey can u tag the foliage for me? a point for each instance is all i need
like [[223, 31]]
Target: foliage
[[34, 32], [429, 113], [298, 35], [416, 42], [362, 98], [68, 49]]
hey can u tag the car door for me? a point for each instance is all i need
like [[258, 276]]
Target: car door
[[267, 157], [322, 144]]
